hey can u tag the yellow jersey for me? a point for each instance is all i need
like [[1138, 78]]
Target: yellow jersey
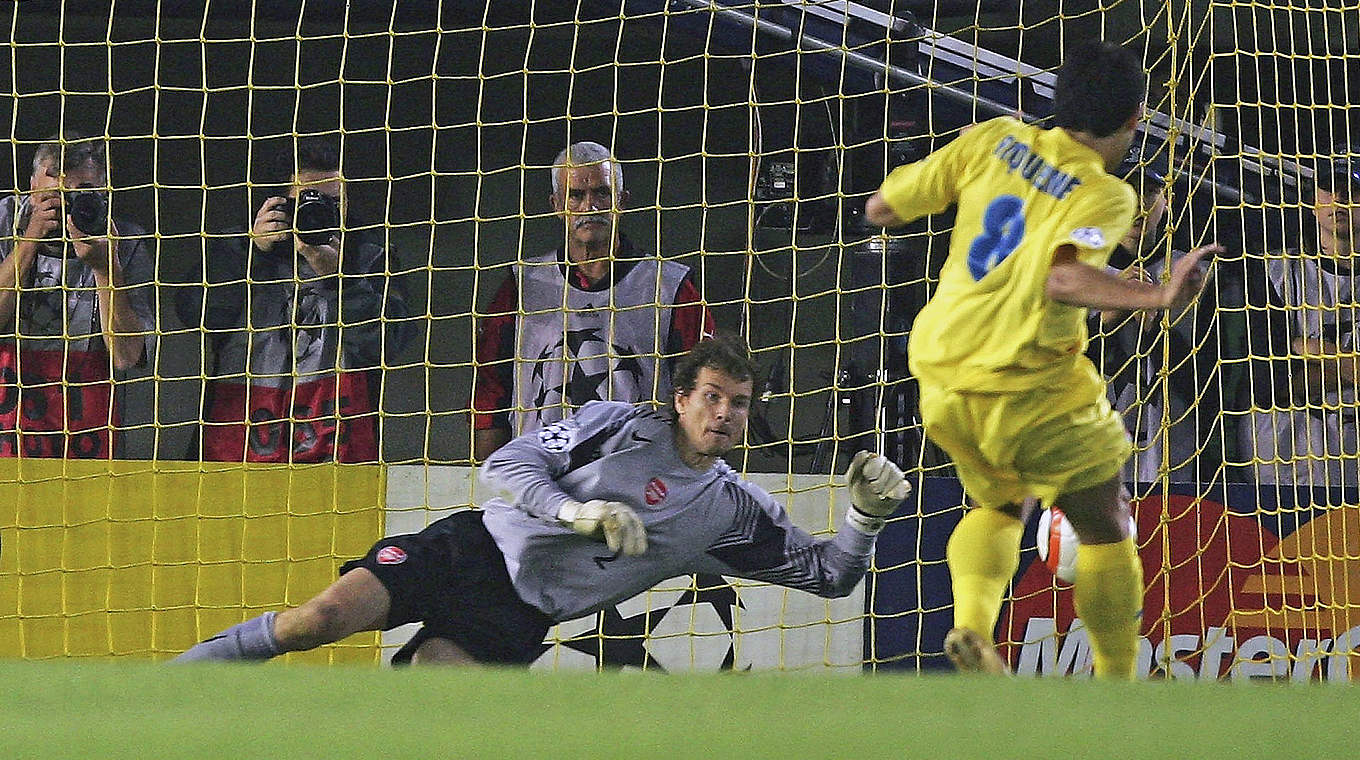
[[1022, 192]]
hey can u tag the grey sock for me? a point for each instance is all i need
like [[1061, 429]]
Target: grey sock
[[251, 640]]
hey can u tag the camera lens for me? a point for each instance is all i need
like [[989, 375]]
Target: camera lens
[[316, 217], [89, 211]]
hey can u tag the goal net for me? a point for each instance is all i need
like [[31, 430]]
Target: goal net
[[257, 414]]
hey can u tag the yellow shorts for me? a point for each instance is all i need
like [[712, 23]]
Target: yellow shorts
[[1038, 443]]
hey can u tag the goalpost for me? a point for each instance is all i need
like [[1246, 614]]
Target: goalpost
[[749, 132]]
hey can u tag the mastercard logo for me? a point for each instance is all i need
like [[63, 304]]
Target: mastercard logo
[[1224, 597]]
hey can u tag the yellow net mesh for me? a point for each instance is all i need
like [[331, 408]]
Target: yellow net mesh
[[748, 134]]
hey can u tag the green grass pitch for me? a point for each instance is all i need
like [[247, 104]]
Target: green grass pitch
[[108, 711]]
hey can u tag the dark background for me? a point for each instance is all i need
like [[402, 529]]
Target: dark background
[[449, 115]]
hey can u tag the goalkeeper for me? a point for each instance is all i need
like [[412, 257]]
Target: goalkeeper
[[587, 512], [1005, 388]]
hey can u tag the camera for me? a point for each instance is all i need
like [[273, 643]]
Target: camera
[[88, 209], [315, 215]]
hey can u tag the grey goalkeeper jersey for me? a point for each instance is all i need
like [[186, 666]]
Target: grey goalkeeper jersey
[[697, 522]]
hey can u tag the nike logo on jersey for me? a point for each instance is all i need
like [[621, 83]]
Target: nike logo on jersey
[[599, 561]]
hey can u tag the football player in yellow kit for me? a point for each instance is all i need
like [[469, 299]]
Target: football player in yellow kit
[[998, 350]]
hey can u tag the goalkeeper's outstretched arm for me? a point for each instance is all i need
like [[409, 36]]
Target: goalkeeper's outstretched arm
[[763, 543]]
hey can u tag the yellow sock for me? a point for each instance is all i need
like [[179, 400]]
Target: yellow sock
[[983, 554], [1109, 594]]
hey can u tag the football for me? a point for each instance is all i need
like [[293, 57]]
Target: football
[[1057, 543]]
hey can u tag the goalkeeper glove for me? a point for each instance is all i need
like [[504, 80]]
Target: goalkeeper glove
[[613, 522], [876, 486]]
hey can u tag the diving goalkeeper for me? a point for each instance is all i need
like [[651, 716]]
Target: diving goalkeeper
[[1005, 387], [588, 511]]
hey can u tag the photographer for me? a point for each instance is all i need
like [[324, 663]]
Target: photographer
[[300, 319], [1300, 401], [1169, 415], [75, 300], [594, 319]]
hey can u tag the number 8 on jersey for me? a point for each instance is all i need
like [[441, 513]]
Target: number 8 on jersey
[[1003, 226]]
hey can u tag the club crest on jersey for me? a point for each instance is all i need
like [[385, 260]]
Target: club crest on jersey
[[555, 437], [654, 492], [1091, 237], [391, 555]]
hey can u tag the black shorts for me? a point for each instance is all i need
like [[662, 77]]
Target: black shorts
[[452, 577]]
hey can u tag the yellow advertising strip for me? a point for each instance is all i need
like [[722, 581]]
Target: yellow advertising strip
[[143, 559]]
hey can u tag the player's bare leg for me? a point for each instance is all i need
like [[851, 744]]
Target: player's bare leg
[[437, 650], [1099, 514], [1108, 592], [356, 602], [983, 554]]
